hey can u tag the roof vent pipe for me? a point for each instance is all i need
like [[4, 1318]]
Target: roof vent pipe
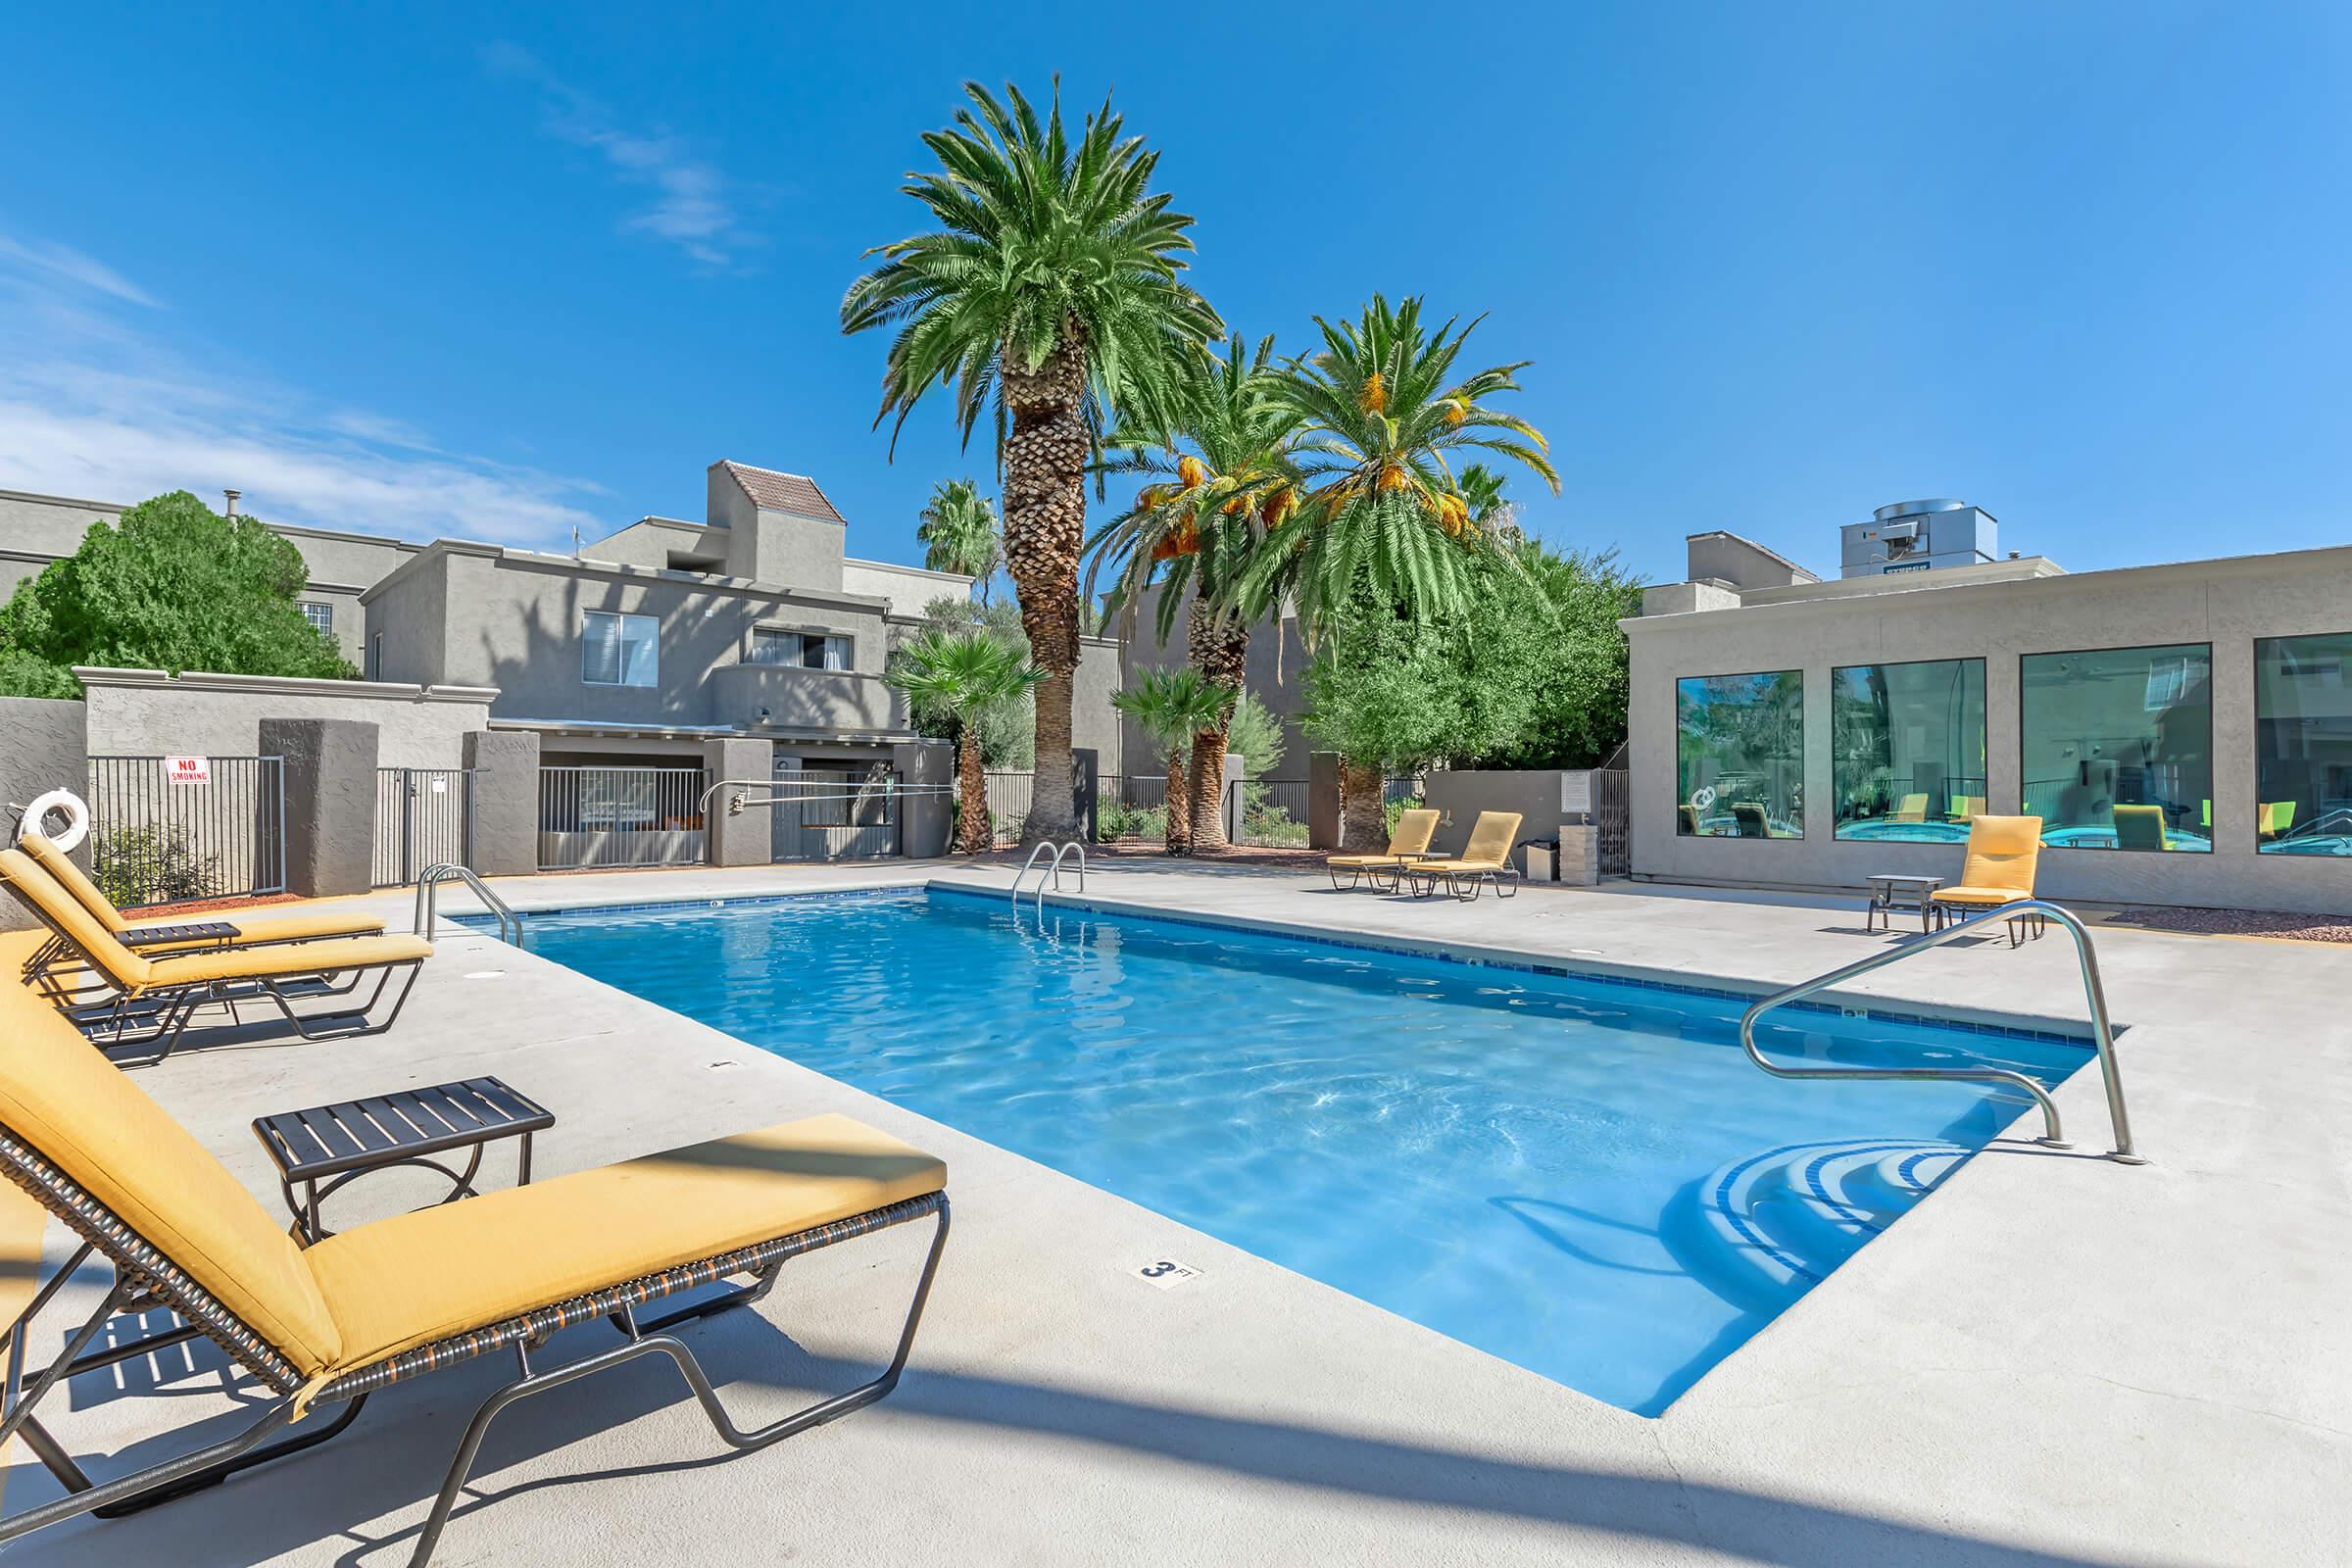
[[232, 501]]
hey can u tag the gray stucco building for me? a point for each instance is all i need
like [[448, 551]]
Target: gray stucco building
[[2183, 731]]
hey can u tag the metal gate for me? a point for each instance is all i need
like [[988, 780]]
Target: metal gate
[[619, 816], [423, 816], [172, 830], [1612, 810], [842, 813]]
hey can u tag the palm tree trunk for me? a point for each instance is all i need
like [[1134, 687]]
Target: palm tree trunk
[[1363, 809], [1220, 651], [973, 834], [1179, 836], [1044, 527]]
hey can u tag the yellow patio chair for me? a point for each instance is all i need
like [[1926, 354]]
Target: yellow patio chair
[[2003, 855], [2139, 827], [400, 1298], [153, 999], [1414, 829], [2277, 818], [174, 936], [1966, 807], [1485, 860], [1912, 809]]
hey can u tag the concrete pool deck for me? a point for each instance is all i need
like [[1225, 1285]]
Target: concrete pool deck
[[2056, 1360]]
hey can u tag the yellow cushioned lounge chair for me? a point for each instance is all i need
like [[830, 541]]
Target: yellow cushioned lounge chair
[[2276, 816], [1966, 807], [1414, 829], [2003, 855], [1485, 858], [1913, 808], [404, 1297], [154, 997], [2139, 827], [161, 936]]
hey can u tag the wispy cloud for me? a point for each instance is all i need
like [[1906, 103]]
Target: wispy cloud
[[693, 206], [63, 262], [99, 407]]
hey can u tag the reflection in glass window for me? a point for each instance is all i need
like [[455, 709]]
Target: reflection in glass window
[[1739, 743], [1908, 749], [618, 650], [2303, 745], [2119, 747]]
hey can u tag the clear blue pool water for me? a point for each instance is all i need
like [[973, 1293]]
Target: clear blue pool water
[[1585, 1177]]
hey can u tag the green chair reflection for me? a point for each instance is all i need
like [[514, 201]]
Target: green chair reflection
[[2277, 818], [1965, 807], [2139, 827], [1913, 808]]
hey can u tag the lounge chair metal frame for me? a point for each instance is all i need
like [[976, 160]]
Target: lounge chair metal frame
[[1504, 880], [160, 1014], [146, 1279]]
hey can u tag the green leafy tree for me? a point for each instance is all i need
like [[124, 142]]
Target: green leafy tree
[[959, 533], [1006, 729], [965, 674], [1256, 734], [1532, 675], [1386, 536], [1049, 291], [1223, 476], [1173, 706], [171, 586]]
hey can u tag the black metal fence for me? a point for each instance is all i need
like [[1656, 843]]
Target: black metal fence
[[591, 816], [1613, 814], [845, 813], [423, 816], [169, 830]]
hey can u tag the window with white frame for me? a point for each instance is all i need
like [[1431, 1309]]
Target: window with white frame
[[321, 616], [804, 650], [618, 650]]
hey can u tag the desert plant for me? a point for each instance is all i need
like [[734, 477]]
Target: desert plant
[[965, 674], [154, 864]]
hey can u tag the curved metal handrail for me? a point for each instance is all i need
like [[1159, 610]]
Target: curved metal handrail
[[2102, 1033], [1057, 851], [428, 902]]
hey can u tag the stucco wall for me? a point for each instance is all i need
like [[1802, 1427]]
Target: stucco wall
[[1094, 724], [2226, 603], [146, 712], [1276, 677], [40, 749], [1462, 792], [512, 621], [907, 588]]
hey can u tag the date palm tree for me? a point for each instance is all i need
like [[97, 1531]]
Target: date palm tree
[[1223, 469], [1385, 521], [1173, 706], [965, 674], [1050, 295], [959, 533]]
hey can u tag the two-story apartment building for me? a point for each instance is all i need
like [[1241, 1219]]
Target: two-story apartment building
[[642, 647], [755, 623]]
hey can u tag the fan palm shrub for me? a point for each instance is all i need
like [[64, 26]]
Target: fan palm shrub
[[965, 674], [1049, 294], [1173, 706]]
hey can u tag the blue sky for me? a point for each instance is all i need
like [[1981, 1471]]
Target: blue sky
[[500, 272]]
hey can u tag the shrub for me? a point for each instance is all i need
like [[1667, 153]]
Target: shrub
[[134, 865]]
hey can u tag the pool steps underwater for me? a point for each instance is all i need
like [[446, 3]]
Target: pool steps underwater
[[1763, 1229]]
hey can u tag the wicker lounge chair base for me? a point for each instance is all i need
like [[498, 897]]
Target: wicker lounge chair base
[[144, 1278]]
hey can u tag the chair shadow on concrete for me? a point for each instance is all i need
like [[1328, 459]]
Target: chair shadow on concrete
[[393, 1459]]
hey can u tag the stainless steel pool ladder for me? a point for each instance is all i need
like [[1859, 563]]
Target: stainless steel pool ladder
[[2103, 1034], [1057, 851], [429, 901]]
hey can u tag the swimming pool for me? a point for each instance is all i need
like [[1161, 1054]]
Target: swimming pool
[[1584, 1176]]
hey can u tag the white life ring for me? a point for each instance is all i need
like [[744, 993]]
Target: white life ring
[[77, 815]]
